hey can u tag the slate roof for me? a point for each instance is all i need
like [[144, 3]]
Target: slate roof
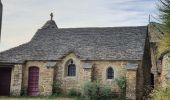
[[105, 43]]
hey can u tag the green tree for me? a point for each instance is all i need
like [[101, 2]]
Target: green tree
[[164, 9]]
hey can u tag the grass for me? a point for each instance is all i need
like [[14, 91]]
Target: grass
[[53, 97], [59, 97]]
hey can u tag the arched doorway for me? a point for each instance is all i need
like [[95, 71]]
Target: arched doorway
[[33, 81]]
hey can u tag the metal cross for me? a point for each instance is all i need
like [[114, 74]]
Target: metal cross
[[51, 16]]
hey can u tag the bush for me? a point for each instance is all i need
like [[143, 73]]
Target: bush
[[73, 92], [93, 91], [56, 87], [121, 82], [23, 91], [105, 92], [161, 93]]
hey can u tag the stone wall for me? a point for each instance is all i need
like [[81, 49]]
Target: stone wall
[[85, 71], [144, 72], [100, 72], [70, 82], [16, 80], [45, 77], [165, 76], [96, 73], [155, 36], [155, 68], [131, 77]]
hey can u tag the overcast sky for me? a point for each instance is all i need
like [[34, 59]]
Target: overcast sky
[[22, 18]]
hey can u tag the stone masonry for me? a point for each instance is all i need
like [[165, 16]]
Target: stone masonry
[[45, 77], [165, 76], [16, 80]]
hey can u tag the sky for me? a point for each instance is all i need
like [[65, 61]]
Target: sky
[[22, 18]]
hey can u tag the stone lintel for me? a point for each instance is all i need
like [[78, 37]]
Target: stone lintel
[[88, 65], [131, 66], [51, 64]]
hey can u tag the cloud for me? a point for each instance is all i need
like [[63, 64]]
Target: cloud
[[22, 18]]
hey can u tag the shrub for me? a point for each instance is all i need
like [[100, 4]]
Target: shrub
[[93, 91], [161, 93], [56, 87], [23, 91], [73, 92], [121, 82], [105, 92]]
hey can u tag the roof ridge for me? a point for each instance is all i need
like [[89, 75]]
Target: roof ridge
[[50, 24], [102, 27]]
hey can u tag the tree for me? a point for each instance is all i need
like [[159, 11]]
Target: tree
[[164, 9]]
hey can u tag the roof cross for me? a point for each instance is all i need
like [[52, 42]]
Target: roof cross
[[51, 16]]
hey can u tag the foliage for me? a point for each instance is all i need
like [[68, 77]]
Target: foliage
[[80, 98], [23, 91], [93, 91], [164, 45], [56, 87], [164, 9], [121, 82], [161, 93], [73, 92], [105, 92]]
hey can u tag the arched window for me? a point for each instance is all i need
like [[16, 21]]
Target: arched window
[[71, 69], [110, 73]]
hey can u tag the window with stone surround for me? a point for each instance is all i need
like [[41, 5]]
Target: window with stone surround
[[71, 68], [110, 73]]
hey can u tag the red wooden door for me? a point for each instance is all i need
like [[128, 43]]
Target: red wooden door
[[5, 81], [33, 81]]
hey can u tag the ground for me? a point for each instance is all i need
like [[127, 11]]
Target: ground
[[42, 98], [60, 98], [34, 99]]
